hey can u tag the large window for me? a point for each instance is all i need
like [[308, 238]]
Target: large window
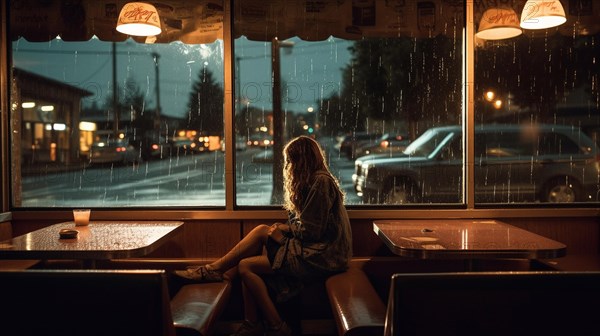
[[543, 82], [361, 77], [102, 119]]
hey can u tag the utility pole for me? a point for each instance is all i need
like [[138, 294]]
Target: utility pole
[[156, 56], [278, 138], [116, 109]]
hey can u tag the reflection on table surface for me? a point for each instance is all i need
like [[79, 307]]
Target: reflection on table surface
[[98, 240], [464, 238]]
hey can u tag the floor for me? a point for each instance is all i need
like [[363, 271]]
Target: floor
[[309, 328]]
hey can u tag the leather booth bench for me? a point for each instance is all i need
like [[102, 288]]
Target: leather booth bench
[[357, 308], [551, 303], [351, 295], [105, 302], [359, 296], [466, 303]]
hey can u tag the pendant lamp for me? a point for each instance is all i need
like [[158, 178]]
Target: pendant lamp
[[139, 19], [499, 23], [542, 14]]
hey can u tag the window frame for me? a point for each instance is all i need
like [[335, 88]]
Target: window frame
[[231, 211]]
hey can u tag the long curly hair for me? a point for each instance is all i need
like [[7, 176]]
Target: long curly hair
[[303, 157]]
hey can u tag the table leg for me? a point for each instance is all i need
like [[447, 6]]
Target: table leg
[[469, 265]]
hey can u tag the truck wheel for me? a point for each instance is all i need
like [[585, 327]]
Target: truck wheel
[[403, 192], [561, 190]]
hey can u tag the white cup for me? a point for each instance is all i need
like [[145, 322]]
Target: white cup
[[81, 216]]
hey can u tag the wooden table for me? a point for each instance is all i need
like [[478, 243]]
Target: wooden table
[[100, 240], [464, 239]]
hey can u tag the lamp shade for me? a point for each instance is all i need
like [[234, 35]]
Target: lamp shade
[[499, 23], [541, 14], [139, 19]]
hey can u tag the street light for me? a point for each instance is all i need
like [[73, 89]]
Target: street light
[[277, 193]]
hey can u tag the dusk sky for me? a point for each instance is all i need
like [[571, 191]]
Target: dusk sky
[[310, 70]]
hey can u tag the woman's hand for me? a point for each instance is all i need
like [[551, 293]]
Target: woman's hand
[[276, 232], [283, 227]]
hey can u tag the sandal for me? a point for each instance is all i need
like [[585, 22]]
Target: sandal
[[200, 274]]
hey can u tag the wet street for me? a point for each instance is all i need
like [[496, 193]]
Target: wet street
[[192, 180]]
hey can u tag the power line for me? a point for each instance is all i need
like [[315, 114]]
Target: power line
[[97, 71]]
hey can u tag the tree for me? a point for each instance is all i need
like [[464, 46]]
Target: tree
[[133, 108], [403, 80], [134, 118], [537, 72], [205, 106]]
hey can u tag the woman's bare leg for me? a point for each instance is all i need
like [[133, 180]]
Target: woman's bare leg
[[251, 245], [250, 270], [226, 267], [250, 308]]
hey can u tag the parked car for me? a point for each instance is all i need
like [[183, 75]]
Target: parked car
[[360, 160], [114, 151], [202, 144], [258, 140], [183, 146], [514, 163], [264, 156], [349, 144], [154, 147], [388, 143]]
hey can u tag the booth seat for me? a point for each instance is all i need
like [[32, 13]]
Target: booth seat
[[106, 302]]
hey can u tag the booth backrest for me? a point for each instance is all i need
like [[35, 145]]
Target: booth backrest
[[85, 302], [494, 303]]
